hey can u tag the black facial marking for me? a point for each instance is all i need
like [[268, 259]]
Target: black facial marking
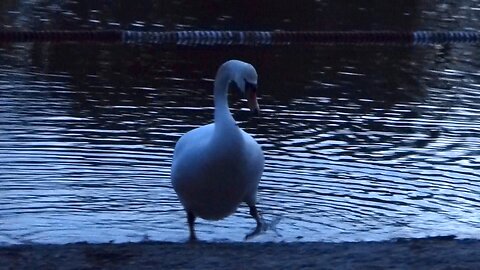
[[250, 86]]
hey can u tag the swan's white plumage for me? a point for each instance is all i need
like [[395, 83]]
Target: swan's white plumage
[[218, 166]]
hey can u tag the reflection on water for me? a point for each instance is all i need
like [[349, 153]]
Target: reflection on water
[[361, 143]]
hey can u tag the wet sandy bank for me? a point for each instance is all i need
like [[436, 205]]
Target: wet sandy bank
[[427, 253]]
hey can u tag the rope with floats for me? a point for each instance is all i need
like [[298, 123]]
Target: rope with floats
[[246, 38]]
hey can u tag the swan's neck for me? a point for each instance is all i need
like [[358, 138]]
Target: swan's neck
[[222, 116], [227, 135]]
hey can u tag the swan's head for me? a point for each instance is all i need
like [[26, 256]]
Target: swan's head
[[244, 77]]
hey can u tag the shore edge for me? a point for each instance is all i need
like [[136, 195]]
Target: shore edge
[[424, 253]]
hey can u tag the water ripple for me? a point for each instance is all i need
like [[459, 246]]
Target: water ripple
[[360, 144]]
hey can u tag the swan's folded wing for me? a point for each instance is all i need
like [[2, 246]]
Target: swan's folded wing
[[192, 139]]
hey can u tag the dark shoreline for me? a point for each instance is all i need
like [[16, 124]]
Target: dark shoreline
[[425, 253]]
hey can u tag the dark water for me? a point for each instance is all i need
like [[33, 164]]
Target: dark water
[[361, 143]]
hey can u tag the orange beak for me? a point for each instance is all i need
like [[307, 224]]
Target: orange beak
[[252, 101]]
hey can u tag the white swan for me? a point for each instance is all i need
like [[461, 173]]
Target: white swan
[[218, 166]]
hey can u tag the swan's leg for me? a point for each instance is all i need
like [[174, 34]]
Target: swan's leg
[[191, 225], [260, 224]]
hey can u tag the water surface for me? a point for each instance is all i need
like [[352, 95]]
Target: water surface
[[361, 143]]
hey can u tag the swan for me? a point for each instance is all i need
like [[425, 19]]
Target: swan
[[218, 166]]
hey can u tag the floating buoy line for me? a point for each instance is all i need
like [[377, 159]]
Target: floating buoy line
[[245, 38]]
